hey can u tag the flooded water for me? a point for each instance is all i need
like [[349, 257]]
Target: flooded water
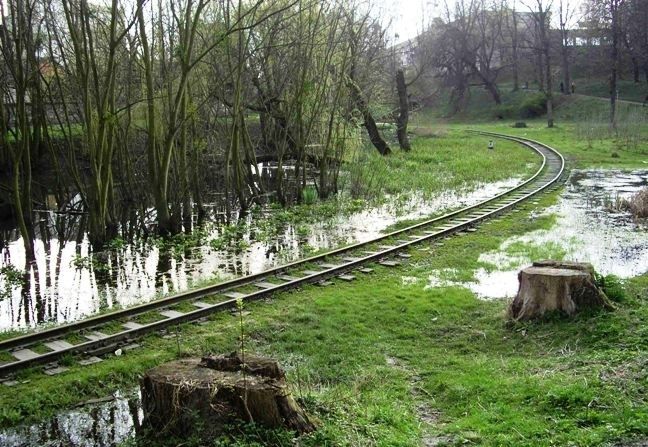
[[104, 424], [585, 230], [589, 228], [68, 281]]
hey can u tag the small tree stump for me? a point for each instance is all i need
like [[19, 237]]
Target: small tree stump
[[203, 395], [554, 285]]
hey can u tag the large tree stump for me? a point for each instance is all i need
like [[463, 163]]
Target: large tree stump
[[203, 395], [556, 286]]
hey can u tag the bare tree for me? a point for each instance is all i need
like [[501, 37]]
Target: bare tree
[[635, 35], [362, 33], [18, 47], [608, 13], [512, 25], [541, 11], [566, 13]]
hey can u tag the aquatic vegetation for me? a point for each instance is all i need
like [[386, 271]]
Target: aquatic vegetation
[[638, 204], [10, 277], [309, 195]]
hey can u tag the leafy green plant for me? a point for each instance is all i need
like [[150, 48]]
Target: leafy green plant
[[90, 263], [309, 195], [612, 286], [506, 111], [232, 236], [116, 244], [11, 275]]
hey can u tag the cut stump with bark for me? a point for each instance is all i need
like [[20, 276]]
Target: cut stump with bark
[[190, 396], [549, 286]]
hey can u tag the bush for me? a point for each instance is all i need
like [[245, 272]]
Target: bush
[[533, 106], [612, 286], [309, 195], [503, 112]]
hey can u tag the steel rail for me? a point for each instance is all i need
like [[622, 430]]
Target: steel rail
[[552, 170]]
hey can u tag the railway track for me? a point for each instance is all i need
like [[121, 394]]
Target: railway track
[[98, 335]]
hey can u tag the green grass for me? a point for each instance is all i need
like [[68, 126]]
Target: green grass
[[578, 151], [398, 347], [628, 90], [148, 317], [372, 353], [184, 307], [480, 107], [442, 159], [6, 357]]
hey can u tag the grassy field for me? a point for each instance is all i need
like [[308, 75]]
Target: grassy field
[[442, 158], [387, 361], [628, 90], [582, 131]]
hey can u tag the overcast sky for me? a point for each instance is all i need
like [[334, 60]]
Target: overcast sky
[[408, 16]]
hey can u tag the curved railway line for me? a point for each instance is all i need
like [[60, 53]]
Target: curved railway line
[[105, 333]]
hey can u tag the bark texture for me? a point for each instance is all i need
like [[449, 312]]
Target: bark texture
[[193, 395], [403, 111], [556, 286], [369, 122]]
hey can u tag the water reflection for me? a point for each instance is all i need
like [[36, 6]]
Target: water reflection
[[589, 228], [67, 281], [106, 424]]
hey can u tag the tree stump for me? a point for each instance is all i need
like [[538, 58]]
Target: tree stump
[[556, 286], [194, 395]]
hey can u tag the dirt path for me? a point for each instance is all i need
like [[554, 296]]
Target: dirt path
[[620, 101]]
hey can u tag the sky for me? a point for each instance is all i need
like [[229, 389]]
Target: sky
[[408, 16]]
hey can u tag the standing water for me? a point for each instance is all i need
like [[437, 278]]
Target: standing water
[[591, 226], [68, 281]]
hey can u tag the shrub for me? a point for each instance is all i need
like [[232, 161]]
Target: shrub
[[612, 286], [533, 106], [309, 195], [503, 112]]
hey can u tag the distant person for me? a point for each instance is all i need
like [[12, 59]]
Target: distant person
[[526, 85], [645, 101], [562, 87], [573, 87]]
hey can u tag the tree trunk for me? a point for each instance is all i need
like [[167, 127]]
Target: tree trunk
[[635, 70], [540, 71], [192, 396], [615, 61], [556, 286], [494, 91], [403, 115], [369, 121], [514, 44], [564, 50], [546, 45]]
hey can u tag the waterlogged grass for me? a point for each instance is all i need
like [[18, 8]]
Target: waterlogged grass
[[387, 361], [444, 160], [370, 358]]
